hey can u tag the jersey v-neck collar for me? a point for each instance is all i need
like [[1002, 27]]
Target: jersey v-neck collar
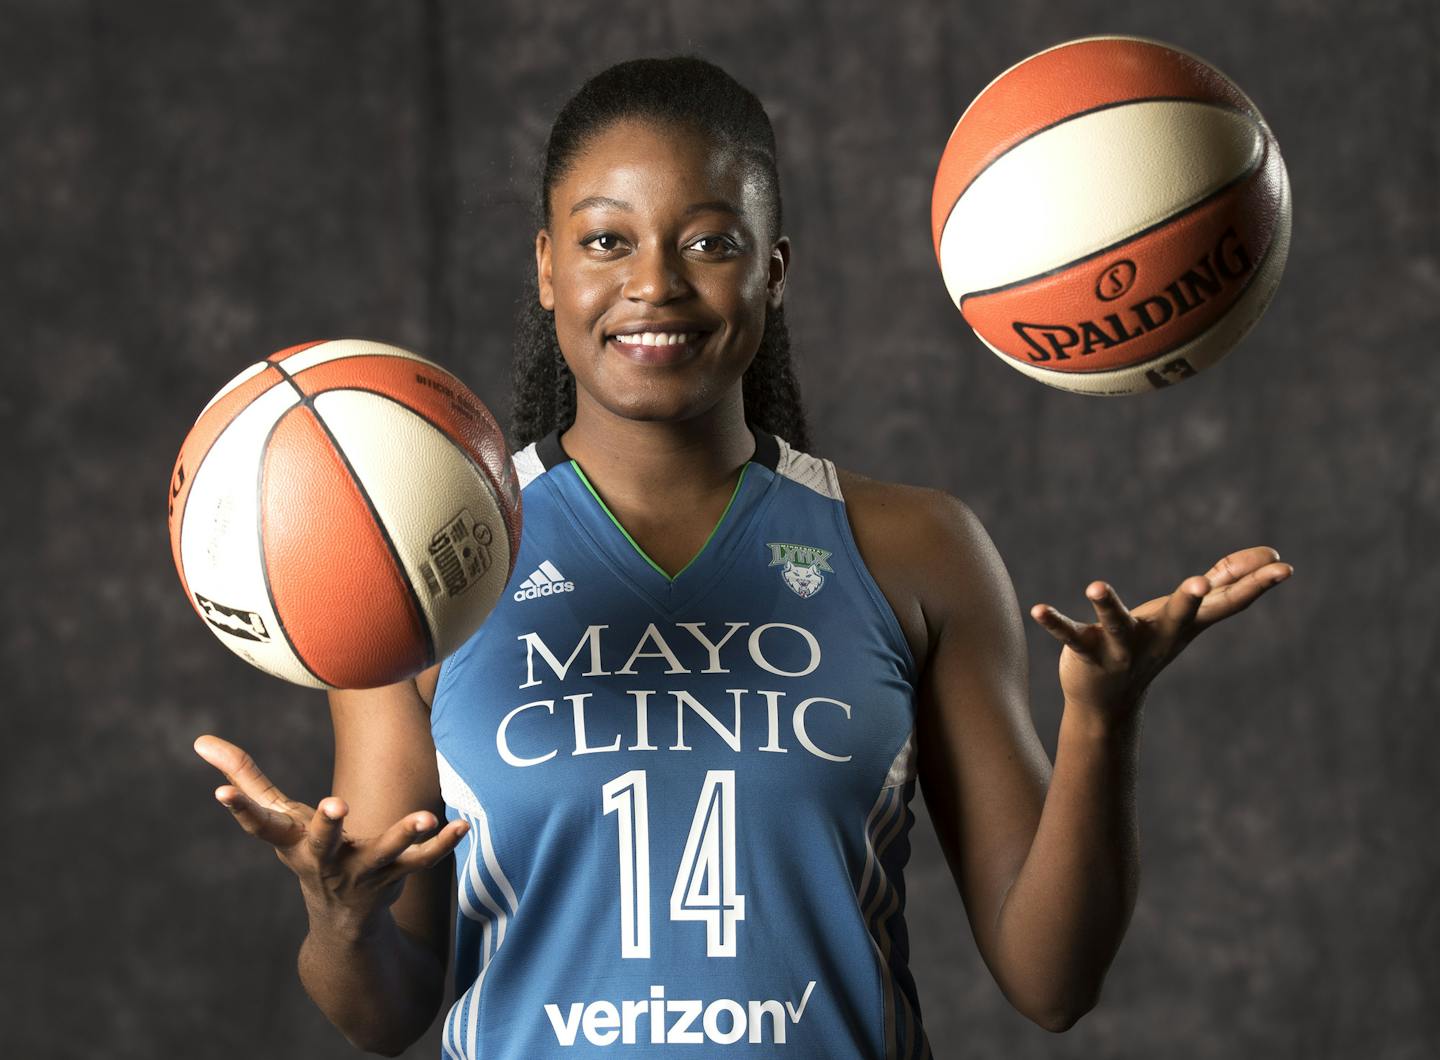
[[628, 559], [767, 449]]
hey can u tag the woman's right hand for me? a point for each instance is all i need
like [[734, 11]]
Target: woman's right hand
[[346, 879]]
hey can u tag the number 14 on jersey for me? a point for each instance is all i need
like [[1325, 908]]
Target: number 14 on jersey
[[704, 887]]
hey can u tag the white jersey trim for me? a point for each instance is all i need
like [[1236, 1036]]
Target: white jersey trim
[[527, 465], [812, 472], [462, 1021]]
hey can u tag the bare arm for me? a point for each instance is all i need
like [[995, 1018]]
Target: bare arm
[[381, 980], [1048, 865], [983, 771], [372, 860]]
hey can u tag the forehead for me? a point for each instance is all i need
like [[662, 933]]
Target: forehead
[[650, 165]]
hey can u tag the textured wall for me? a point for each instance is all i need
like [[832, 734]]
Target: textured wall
[[190, 185]]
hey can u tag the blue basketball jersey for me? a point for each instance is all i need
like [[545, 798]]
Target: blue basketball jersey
[[688, 797]]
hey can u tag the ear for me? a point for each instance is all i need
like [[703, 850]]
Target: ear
[[779, 269], [542, 269]]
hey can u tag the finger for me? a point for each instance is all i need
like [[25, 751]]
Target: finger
[[1183, 604], [1116, 622], [426, 854], [1064, 629], [240, 769], [1235, 566], [276, 828], [398, 838], [1231, 599], [326, 828]]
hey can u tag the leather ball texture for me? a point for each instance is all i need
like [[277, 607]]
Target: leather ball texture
[[344, 514], [1111, 215]]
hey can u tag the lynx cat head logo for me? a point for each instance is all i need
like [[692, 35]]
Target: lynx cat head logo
[[800, 566], [804, 580]]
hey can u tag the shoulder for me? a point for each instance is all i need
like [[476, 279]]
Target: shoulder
[[923, 508], [924, 547]]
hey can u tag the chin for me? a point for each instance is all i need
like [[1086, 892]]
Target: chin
[[656, 404], [653, 411], [679, 397]]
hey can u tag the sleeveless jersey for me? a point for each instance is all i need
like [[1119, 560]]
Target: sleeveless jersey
[[688, 797]]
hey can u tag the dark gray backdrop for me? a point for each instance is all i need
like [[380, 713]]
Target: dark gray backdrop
[[189, 186]]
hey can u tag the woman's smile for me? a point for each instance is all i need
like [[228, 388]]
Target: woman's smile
[[658, 342]]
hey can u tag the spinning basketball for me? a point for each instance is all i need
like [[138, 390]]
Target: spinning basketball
[[344, 514], [1111, 215]]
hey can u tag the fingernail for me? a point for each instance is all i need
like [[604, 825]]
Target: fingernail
[[331, 812]]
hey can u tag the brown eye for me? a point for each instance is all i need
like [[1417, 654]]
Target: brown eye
[[603, 241], [721, 245]]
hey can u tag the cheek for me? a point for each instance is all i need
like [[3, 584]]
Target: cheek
[[578, 300], [743, 294]]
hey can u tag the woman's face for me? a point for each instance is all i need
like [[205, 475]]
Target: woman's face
[[659, 267]]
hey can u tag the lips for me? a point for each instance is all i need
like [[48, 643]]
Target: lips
[[658, 343]]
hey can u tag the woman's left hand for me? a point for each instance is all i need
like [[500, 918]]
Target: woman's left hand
[[1106, 666]]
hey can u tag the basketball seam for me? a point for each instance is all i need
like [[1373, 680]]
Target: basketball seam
[[1251, 171], [940, 231], [260, 540], [1057, 47], [308, 402], [1254, 274], [195, 476], [490, 422], [486, 476], [401, 355]]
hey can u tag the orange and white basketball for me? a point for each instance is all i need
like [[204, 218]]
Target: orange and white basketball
[[344, 514], [1111, 215]]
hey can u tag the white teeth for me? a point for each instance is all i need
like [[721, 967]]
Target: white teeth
[[657, 338]]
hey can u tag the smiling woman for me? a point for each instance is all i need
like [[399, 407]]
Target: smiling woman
[[678, 758], [658, 252], [630, 117]]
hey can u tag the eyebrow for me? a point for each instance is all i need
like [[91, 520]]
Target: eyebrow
[[592, 201]]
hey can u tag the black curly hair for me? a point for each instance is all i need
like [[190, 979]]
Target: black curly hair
[[690, 92]]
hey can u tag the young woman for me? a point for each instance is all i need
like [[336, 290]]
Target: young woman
[[676, 761]]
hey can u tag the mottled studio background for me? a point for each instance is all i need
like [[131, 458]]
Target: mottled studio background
[[190, 185]]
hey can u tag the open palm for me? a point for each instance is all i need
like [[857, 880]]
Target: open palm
[[1108, 664]]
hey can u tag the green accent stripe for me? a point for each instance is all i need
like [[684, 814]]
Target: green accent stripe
[[641, 551]]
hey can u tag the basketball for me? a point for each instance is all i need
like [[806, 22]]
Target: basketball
[[1111, 215], [344, 514]]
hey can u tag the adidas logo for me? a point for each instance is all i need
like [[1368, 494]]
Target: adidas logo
[[545, 581]]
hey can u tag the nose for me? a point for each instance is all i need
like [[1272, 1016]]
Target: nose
[[656, 276]]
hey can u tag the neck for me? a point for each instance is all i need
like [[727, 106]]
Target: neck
[[644, 462]]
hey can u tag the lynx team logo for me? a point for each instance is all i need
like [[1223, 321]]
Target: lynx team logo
[[801, 566]]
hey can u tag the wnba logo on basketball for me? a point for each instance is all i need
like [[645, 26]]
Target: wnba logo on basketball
[[1205, 281]]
